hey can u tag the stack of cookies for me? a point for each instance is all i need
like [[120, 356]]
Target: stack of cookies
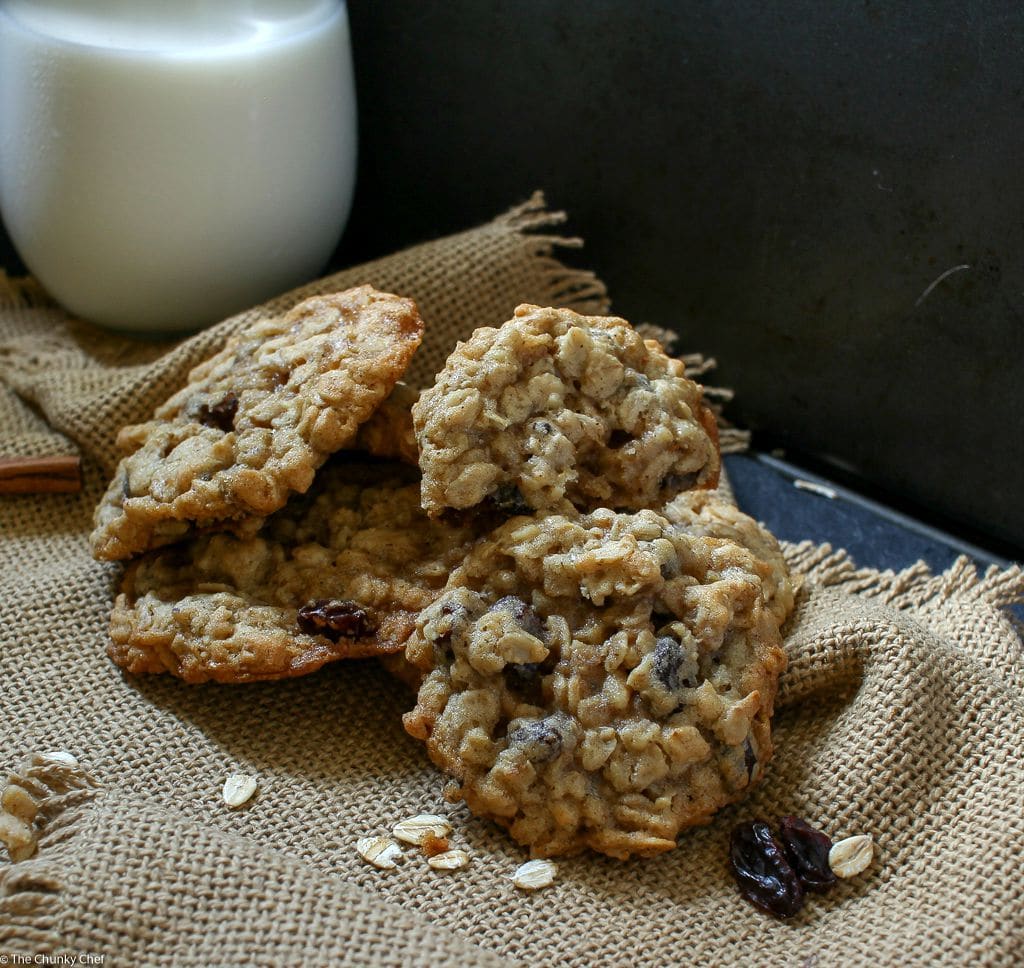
[[594, 633]]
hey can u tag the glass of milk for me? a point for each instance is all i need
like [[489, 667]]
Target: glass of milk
[[165, 164]]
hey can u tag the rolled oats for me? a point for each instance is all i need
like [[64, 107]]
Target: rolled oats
[[535, 874], [450, 860], [60, 756], [238, 789], [382, 852], [417, 829], [851, 856]]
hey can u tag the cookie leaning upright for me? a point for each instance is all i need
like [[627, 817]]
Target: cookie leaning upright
[[554, 410], [254, 422]]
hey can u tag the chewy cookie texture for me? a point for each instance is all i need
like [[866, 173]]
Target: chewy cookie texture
[[342, 572], [602, 680], [555, 410], [255, 421]]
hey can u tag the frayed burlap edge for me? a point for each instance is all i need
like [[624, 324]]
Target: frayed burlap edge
[[30, 901], [916, 590], [910, 588], [564, 284]]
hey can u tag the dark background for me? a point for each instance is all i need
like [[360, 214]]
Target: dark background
[[783, 183]]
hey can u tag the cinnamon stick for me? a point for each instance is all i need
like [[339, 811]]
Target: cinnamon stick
[[40, 475]]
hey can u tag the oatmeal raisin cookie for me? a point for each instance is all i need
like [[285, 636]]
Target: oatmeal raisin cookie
[[555, 410], [602, 680], [341, 572], [255, 421]]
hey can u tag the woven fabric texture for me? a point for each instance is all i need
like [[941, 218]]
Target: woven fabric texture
[[901, 715]]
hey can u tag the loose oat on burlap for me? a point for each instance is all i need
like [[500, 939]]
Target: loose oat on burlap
[[901, 714]]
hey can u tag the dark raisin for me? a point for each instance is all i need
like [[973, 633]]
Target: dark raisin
[[541, 740], [807, 852], [508, 498], [671, 569], [762, 872], [333, 619], [672, 666], [526, 680], [749, 757], [220, 414], [525, 617], [674, 483], [523, 673]]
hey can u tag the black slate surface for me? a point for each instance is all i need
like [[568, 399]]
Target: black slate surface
[[873, 534]]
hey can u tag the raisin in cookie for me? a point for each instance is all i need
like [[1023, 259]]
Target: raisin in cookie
[[341, 572], [555, 410], [602, 681], [255, 421]]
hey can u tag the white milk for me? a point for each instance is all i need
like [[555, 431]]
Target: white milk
[[164, 164]]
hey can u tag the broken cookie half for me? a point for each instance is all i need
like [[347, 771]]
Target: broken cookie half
[[254, 422], [341, 572]]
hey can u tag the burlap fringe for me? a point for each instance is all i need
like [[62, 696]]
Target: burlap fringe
[[910, 588], [61, 790], [19, 292], [579, 286], [731, 440]]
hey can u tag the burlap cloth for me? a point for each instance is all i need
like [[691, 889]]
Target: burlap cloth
[[901, 715]]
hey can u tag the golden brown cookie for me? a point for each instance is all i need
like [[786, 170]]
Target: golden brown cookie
[[707, 513], [555, 410], [389, 432], [255, 421]]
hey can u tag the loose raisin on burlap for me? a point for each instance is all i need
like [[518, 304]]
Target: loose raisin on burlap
[[764, 876], [333, 618], [807, 852]]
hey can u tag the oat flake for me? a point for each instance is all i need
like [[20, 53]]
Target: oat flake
[[238, 789], [851, 856], [382, 852], [535, 874], [450, 860], [417, 829]]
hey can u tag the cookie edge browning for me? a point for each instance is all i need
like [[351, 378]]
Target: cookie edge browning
[[110, 544], [388, 432]]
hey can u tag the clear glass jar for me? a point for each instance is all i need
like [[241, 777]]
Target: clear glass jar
[[163, 165]]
